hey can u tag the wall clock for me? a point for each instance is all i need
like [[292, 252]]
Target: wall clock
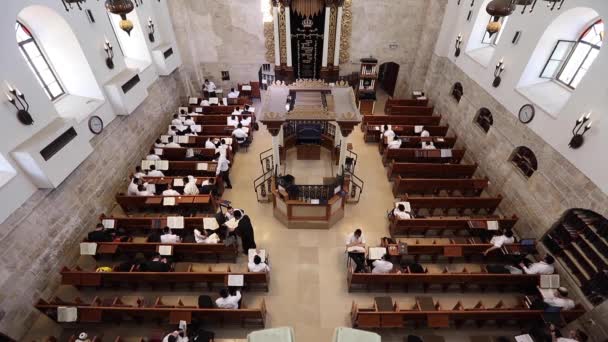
[[526, 113], [95, 124]]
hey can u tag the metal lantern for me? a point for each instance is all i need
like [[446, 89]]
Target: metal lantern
[[121, 8], [494, 26], [500, 8]]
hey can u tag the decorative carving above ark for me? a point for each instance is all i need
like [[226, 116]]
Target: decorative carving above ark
[[307, 8], [282, 38], [269, 41], [347, 22], [333, 21]]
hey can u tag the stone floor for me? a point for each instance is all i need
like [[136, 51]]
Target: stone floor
[[308, 289]]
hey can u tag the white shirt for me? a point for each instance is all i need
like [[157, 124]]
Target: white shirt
[[210, 86], [389, 133], [261, 267], [223, 164], [179, 338], [176, 122], [189, 122], [352, 239], [204, 103], [190, 188], [171, 192], [428, 145], [222, 149], [230, 302], [145, 193], [169, 238], [233, 94], [159, 145], [139, 175], [171, 132], [152, 157], [246, 121], [239, 133], [173, 144], [499, 241], [132, 189], [394, 144], [401, 215], [156, 173], [564, 303], [231, 122], [382, 266], [539, 268], [209, 144]]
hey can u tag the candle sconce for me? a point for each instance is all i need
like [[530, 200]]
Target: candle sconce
[[17, 99], [458, 42], [151, 30], [107, 46], [578, 137], [500, 68]]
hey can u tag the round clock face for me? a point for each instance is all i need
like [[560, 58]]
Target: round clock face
[[95, 124], [526, 113]]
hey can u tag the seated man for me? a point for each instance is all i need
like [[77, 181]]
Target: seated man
[[237, 111], [172, 130], [190, 187], [232, 120], [176, 120], [227, 301], [158, 143], [257, 265], [542, 267], [169, 237], [189, 121], [138, 172], [400, 213], [100, 234], [246, 110], [176, 336], [559, 299], [355, 246], [170, 191], [201, 236], [500, 240], [428, 145], [209, 143], [388, 133], [152, 156], [240, 134], [233, 94], [246, 121], [142, 190], [172, 143], [382, 265], [154, 172], [394, 144], [133, 188]]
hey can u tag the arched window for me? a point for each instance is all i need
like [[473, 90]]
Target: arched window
[[570, 60], [37, 62], [484, 119], [525, 160], [457, 91]]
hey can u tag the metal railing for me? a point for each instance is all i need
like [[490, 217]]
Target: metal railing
[[263, 185], [266, 160], [356, 186]]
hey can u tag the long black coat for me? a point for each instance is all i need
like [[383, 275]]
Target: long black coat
[[245, 231]]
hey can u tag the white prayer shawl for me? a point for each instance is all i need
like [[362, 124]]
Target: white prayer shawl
[[190, 187]]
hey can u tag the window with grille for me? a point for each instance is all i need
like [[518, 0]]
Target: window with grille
[[525, 160], [484, 119], [38, 63]]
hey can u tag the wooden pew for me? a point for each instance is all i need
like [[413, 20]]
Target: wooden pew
[[416, 142], [219, 250], [422, 226], [199, 140], [430, 170], [179, 153], [133, 224], [189, 168], [419, 155], [81, 278], [161, 183], [411, 111], [459, 204], [373, 131], [438, 317], [388, 105], [199, 203], [115, 310], [427, 186], [463, 279], [218, 119], [375, 120]]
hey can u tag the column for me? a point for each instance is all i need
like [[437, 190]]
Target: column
[[288, 34], [343, 143], [325, 38], [276, 154], [277, 49], [338, 37]]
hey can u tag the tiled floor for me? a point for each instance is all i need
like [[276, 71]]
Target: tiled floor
[[308, 289]]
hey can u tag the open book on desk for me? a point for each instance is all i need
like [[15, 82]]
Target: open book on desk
[[175, 222]]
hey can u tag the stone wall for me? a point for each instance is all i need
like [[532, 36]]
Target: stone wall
[[538, 201], [43, 235]]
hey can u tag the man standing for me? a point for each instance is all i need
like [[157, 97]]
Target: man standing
[[223, 168], [244, 229]]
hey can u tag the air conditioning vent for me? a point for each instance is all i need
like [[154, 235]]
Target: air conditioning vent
[[168, 53], [130, 84], [51, 149]]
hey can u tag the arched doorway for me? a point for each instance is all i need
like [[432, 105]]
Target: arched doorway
[[387, 77]]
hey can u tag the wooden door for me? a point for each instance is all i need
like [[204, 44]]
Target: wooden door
[[388, 77]]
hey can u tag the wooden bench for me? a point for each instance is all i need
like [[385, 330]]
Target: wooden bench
[[179, 153], [377, 120], [427, 186], [422, 226], [146, 224], [120, 309], [199, 203], [388, 105], [459, 204], [419, 155], [189, 276], [220, 250], [372, 132], [411, 111], [185, 168], [430, 170], [439, 317], [416, 142], [162, 182], [218, 119]]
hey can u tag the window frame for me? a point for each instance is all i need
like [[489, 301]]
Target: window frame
[[33, 68], [495, 39]]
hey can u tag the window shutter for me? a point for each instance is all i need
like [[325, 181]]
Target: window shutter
[[560, 54]]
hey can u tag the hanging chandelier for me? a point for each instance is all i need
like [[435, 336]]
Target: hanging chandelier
[[121, 8], [504, 8]]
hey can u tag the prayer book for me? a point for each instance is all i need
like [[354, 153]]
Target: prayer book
[[224, 101], [246, 88], [492, 225], [182, 139], [337, 189], [67, 314], [547, 293], [169, 201], [145, 164], [162, 165], [202, 166], [251, 253], [213, 100], [198, 109], [228, 141], [178, 182], [158, 151], [417, 93], [418, 129], [421, 98], [164, 139], [165, 250], [193, 101], [439, 139], [524, 338], [549, 281], [175, 222], [407, 205], [376, 253], [231, 224], [88, 248], [236, 280], [446, 153], [210, 223], [196, 128], [219, 91], [108, 223], [314, 201]]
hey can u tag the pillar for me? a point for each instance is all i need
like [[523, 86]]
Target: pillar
[[325, 38], [288, 34], [343, 143], [346, 128], [277, 48], [276, 153], [338, 37]]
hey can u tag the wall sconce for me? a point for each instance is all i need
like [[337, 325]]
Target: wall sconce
[[577, 137], [68, 4], [551, 4], [151, 29], [17, 99], [107, 46], [500, 67], [458, 42], [138, 2]]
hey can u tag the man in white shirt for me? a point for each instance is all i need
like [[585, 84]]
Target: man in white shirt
[[138, 172], [159, 143], [240, 134], [233, 94], [388, 133], [209, 86], [232, 120], [172, 130], [152, 156], [500, 240], [223, 147], [169, 237], [201, 236], [382, 265], [176, 336], [189, 121], [190, 187], [223, 169], [176, 120], [142, 190], [170, 191], [228, 302], [204, 103], [356, 239], [172, 143], [428, 145], [560, 299], [394, 144], [209, 144], [257, 265], [154, 172], [246, 121], [237, 111], [400, 213], [133, 188], [542, 267]]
